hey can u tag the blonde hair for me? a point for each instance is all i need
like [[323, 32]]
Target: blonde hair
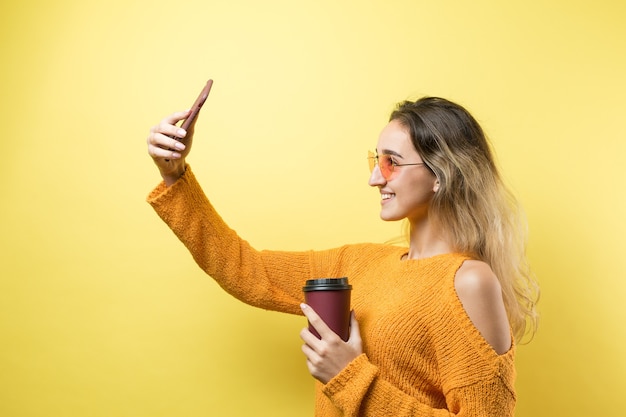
[[477, 211]]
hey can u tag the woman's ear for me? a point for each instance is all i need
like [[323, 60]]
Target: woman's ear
[[436, 186]]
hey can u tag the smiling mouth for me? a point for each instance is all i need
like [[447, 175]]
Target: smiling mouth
[[387, 196]]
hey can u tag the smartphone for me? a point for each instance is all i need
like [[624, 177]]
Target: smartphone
[[195, 109], [197, 105]]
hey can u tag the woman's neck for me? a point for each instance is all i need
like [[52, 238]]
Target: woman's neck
[[425, 242]]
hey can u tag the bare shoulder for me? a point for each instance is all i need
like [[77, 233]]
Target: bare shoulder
[[480, 293], [476, 275]]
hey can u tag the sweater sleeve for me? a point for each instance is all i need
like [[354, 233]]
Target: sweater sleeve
[[359, 390], [267, 279]]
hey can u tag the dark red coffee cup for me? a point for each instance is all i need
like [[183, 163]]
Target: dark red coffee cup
[[330, 298]]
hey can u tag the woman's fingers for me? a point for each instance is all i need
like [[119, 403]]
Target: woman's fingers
[[174, 118], [166, 131], [159, 141], [316, 321], [164, 140], [158, 152]]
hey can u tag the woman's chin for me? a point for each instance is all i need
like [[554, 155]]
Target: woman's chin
[[390, 217]]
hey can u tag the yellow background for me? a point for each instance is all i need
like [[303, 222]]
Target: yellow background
[[104, 313]]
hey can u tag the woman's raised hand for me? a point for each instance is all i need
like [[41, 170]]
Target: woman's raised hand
[[168, 145]]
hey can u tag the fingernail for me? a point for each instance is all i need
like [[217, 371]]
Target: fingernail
[[303, 306], [181, 133], [179, 145]]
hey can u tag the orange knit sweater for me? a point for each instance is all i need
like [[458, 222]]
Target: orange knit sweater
[[422, 354]]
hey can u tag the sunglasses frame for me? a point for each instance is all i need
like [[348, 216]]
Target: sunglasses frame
[[387, 169]]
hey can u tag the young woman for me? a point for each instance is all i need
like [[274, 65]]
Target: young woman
[[434, 324]]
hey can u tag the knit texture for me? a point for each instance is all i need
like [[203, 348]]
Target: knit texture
[[422, 354]]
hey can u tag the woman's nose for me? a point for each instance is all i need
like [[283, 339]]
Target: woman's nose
[[376, 178]]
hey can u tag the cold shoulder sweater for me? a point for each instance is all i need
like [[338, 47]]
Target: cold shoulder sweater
[[422, 354]]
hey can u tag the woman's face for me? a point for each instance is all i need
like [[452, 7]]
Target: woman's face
[[407, 192]]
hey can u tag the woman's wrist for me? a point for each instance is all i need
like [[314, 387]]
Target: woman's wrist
[[174, 175]]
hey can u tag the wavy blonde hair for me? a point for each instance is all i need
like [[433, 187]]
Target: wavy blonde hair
[[476, 210]]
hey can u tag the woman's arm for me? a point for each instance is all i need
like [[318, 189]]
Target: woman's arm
[[268, 279], [481, 295]]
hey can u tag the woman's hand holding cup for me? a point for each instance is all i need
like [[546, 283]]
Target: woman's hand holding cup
[[328, 355]]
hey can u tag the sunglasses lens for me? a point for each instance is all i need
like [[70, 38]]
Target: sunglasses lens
[[386, 167], [384, 163]]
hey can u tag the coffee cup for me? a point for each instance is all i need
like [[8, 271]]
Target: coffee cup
[[330, 298]]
